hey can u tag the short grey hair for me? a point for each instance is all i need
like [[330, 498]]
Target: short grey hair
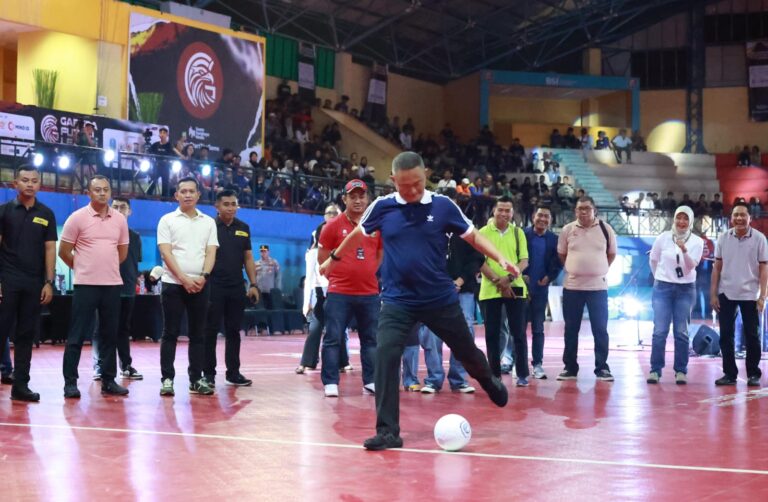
[[405, 161]]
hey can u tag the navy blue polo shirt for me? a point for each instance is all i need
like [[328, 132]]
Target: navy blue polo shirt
[[414, 272]]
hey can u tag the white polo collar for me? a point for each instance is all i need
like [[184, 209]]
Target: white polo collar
[[425, 199], [178, 212]]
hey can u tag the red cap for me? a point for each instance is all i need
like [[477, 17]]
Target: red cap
[[354, 185]]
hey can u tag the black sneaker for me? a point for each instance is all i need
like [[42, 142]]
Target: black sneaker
[[383, 442], [725, 380], [239, 381], [567, 375], [130, 373], [604, 375], [22, 393], [753, 381], [211, 381], [7, 379], [112, 388], [496, 391], [71, 391]]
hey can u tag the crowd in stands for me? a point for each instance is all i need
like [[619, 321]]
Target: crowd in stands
[[750, 157]]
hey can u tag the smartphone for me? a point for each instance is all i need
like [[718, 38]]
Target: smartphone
[[518, 291]]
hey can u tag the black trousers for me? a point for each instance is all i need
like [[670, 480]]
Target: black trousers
[[86, 301], [175, 301], [225, 304], [20, 307], [516, 311], [395, 323], [123, 335], [751, 319]]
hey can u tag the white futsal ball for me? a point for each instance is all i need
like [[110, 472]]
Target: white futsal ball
[[452, 432]]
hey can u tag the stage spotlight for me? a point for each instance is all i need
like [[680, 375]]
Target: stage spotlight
[[176, 166], [64, 162], [144, 165], [206, 170], [38, 159], [109, 156], [631, 306]]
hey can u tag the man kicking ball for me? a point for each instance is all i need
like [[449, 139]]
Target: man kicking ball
[[414, 225]]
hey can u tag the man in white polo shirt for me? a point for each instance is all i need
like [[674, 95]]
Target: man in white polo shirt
[[621, 143], [739, 279], [187, 240]]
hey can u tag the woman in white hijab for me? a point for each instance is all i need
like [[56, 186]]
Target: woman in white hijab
[[674, 257]]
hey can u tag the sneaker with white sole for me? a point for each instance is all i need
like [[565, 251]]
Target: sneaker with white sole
[[331, 390], [605, 376], [347, 369], [201, 387], [131, 374], [464, 388], [413, 388], [538, 372], [522, 382], [653, 377], [167, 388], [429, 389], [567, 375], [369, 388], [681, 378]]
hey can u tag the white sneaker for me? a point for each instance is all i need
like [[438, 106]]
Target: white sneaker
[[428, 389], [370, 388], [331, 390], [538, 372]]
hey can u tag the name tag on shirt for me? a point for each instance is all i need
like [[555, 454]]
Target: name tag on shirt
[[40, 221], [240, 233]]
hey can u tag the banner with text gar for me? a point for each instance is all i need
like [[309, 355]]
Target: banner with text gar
[[757, 65], [207, 86]]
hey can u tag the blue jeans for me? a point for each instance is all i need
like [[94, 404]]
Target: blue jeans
[[672, 304], [537, 310], [573, 312], [411, 357], [433, 357], [339, 310]]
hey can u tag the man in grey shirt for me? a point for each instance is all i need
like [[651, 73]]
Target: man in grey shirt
[[739, 279]]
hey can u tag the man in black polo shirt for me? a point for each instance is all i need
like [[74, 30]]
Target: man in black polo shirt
[[227, 299], [27, 264], [162, 148]]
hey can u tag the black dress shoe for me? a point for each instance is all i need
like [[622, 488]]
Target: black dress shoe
[[725, 380], [383, 442], [753, 381], [113, 389], [71, 391], [496, 391], [22, 393], [7, 379]]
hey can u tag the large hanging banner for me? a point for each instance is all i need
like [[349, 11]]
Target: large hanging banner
[[207, 86], [757, 65], [376, 104], [307, 73]]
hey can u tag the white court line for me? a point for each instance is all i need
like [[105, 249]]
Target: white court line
[[408, 450]]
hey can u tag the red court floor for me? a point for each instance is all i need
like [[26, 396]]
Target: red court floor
[[282, 440]]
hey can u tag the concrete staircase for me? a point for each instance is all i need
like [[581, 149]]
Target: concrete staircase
[[572, 162]]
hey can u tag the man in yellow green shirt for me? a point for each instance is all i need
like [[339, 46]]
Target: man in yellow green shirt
[[500, 289]]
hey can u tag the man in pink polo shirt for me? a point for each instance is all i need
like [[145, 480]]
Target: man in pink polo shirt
[[98, 235], [587, 247]]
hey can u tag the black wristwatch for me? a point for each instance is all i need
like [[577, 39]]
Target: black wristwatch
[[48, 281], [253, 286], [206, 275], [334, 257]]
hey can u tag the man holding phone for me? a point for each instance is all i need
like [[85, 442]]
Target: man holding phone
[[500, 289], [227, 299]]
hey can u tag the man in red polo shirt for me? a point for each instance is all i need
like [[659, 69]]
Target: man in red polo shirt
[[353, 289]]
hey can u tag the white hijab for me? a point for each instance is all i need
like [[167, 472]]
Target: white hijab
[[687, 233]]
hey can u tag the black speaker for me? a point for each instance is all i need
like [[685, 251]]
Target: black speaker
[[706, 342]]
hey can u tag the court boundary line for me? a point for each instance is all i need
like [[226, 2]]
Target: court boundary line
[[285, 442]]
